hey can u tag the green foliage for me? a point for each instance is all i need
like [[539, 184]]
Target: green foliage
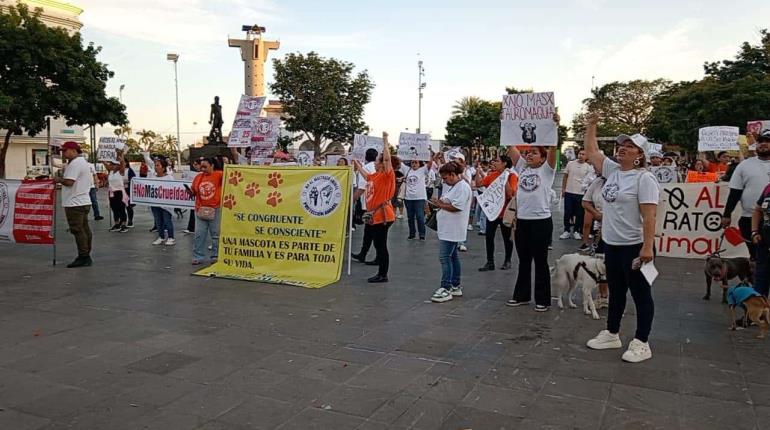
[[45, 72], [321, 97], [476, 123]]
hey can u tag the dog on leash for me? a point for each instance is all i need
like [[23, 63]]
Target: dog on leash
[[756, 307], [721, 270], [572, 270]]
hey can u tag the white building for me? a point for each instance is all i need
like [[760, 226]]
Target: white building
[[30, 153]]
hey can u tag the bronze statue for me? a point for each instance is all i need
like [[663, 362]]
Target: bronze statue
[[215, 119]]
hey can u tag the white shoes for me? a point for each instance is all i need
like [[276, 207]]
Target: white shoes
[[463, 248], [470, 227], [170, 241], [565, 235], [577, 236], [158, 241], [456, 291], [637, 351], [605, 340], [441, 295], [399, 216]]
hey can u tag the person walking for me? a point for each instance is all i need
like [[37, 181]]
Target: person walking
[[631, 195], [416, 196], [116, 182], [500, 166], [453, 211], [92, 192], [360, 195], [77, 181], [380, 187], [207, 189], [572, 191]]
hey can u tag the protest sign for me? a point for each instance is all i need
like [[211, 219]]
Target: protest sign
[[248, 111], [695, 176], [527, 119], [281, 225], [332, 159], [569, 154], [305, 158], [665, 174], [266, 130], [27, 211], [157, 192], [717, 138], [108, 147], [362, 142], [753, 129], [451, 153], [689, 221], [412, 146], [493, 198]]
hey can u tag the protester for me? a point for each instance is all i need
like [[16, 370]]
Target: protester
[[195, 168], [719, 167], [360, 195], [116, 181], [93, 190], [628, 231], [130, 174], [207, 189], [500, 166], [760, 238], [380, 187], [746, 185], [452, 218], [415, 197], [593, 204], [656, 158], [482, 169], [161, 214], [572, 192], [398, 197], [143, 169], [459, 158], [77, 182]]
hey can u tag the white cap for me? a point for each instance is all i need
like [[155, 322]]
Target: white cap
[[458, 156], [638, 140], [655, 153]]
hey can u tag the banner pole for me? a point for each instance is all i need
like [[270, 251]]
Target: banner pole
[[50, 173], [350, 227]]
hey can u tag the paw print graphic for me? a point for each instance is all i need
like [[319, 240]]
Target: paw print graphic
[[274, 198], [252, 189], [235, 178], [229, 201], [274, 179]]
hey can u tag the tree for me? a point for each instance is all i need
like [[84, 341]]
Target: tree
[[147, 139], [624, 107], [465, 105], [478, 124], [125, 132], [321, 98], [45, 72], [732, 92]]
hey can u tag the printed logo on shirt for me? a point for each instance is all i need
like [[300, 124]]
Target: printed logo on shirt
[[412, 181], [321, 195], [610, 192], [529, 181], [206, 190]]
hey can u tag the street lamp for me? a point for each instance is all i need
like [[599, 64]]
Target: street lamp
[[120, 92], [175, 58], [420, 87]]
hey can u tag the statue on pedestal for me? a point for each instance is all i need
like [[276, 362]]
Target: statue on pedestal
[[215, 119]]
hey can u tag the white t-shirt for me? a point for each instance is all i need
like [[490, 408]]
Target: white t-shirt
[[575, 172], [594, 194], [369, 168], [415, 184], [116, 181], [752, 176], [623, 192], [93, 172], [533, 200], [78, 194], [453, 226]]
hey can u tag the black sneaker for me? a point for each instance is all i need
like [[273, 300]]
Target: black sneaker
[[98, 218], [358, 257], [123, 229], [506, 266], [515, 303], [377, 279], [584, 247], [410, 237], [130, 224], [422, 238], [540, 308], [153, 229], [80, 262], [487, 267], [115, 227], [372, 263]]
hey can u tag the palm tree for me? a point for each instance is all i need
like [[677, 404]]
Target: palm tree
[[465, 104], [123, 131], [147, 139]]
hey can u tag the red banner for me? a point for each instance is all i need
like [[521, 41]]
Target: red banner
[[34, 212]]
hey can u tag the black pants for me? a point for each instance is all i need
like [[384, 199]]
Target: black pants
[[744, 224], [366, 242], [191, 222], [621, 278], [490, 239], [118, 207], [573, 208], [532, 238], [379, 234]]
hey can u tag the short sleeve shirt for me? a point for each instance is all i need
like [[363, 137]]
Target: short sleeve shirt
[[533, 200], [623, 192]]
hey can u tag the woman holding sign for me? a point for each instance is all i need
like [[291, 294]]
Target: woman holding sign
[[499, 167], [116, 181], [631, 196], [380, 188], [162, 215]]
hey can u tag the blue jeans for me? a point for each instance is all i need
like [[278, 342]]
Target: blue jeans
[[573, 208], [481, 219], [203, 229], [415, 210], [450, 263], [94, 202], [163, 221], [762, 274]]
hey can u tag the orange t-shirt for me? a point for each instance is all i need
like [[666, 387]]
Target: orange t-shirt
[[513, 183], [208, 189], [695, 176], [380, 188], [717, 168]]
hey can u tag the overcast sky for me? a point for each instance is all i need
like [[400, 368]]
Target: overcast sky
[[469, 49]]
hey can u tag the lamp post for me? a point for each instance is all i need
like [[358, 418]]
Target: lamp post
[[120, 92], [420, 87], [175, 58]]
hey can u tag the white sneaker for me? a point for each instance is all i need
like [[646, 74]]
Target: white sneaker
[[565, 235], [158, 241], [186, 231], [637, 351], [577, 236], [470, 227], [602, 302], [456, 291], [441, 295], [399, 216], [463, 248], [605, 340], [170, 241]]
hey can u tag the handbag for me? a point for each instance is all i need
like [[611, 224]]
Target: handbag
[[206, 213], [368, 216], [432, 221], [509, 215]]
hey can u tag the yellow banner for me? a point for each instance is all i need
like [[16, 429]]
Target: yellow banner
[[283, 225]]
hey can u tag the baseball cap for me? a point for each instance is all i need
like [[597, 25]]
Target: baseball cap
[[638, 140], [70, 145], [458, 156], [764, 136], [655, 153]]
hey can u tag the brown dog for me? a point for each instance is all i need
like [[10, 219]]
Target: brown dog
[[757, 309], [724, 269]]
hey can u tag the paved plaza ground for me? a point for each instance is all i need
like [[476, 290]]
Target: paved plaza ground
[[135, 342]]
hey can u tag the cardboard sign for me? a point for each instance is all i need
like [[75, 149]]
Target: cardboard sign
[[492, 199], [108, 147], [362, 142], [156, 192], [266, 130], [665, 174], [305, 158], [332, 159], [412, 146], [753, 130], [248, 111], [527, 119], [695, 176], [718, 139]]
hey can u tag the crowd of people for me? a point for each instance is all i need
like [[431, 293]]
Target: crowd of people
[[609, 206]]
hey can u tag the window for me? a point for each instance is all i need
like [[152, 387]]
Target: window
[[39, 157]]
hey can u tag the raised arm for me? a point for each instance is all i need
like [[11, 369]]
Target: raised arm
[[515, 155], [595, 155], [121, 161], [554, 150], [361, 171], [386, 164]]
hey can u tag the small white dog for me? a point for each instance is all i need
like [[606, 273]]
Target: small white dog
[[572, 270]]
